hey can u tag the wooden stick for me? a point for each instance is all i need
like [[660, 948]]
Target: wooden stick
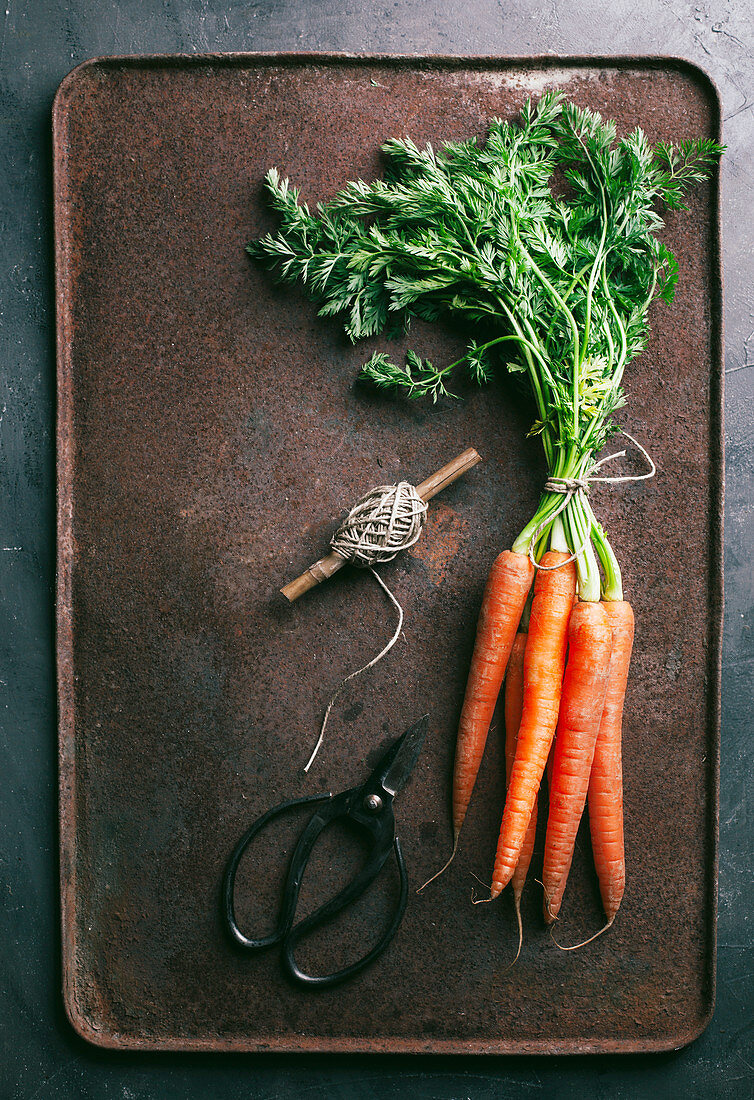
[[332, 562]]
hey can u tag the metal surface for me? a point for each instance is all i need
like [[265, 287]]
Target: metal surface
[[207, 424]]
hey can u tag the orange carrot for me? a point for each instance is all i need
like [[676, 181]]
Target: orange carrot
[[514, 700], [590, 643], [606, 781], [508, 586], [502, 605], [551, 757], [544, 661]]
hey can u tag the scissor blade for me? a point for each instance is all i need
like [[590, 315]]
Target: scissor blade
[[407, 750]]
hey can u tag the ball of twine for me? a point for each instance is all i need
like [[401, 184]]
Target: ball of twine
[[387, 519]]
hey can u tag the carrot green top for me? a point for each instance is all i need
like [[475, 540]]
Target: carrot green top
[[559, 281]]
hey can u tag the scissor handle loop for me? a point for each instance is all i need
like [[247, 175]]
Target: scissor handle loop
[[231, 870], [330, 909], [382, 829]]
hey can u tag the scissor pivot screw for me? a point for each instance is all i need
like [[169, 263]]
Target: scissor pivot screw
[[373, 803]]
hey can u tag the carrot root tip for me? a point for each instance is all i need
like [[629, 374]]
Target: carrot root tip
[[583, 943], [474, 899], [478, 901], [550, 917], [517, 905], [443, 868]]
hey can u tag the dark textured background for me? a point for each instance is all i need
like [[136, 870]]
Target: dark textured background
[[39, 42]]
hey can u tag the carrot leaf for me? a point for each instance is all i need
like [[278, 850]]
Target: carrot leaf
[[542, 241]]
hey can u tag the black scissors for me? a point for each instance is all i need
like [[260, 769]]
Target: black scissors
[[370, 809]]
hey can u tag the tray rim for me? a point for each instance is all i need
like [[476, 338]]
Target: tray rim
[[111, 1039]]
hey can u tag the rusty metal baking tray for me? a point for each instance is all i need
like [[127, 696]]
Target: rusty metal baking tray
[[209, 432]]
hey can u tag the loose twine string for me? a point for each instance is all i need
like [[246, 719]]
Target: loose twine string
[[571, 486], [390, 518], [386, 520]]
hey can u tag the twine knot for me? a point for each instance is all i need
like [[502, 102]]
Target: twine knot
[[568, 485], [387, 519]]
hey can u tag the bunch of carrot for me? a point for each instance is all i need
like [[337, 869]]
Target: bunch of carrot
[[554, 283], [566, 682]]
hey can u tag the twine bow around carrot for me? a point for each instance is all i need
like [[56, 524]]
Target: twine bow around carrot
[[570, 486]]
